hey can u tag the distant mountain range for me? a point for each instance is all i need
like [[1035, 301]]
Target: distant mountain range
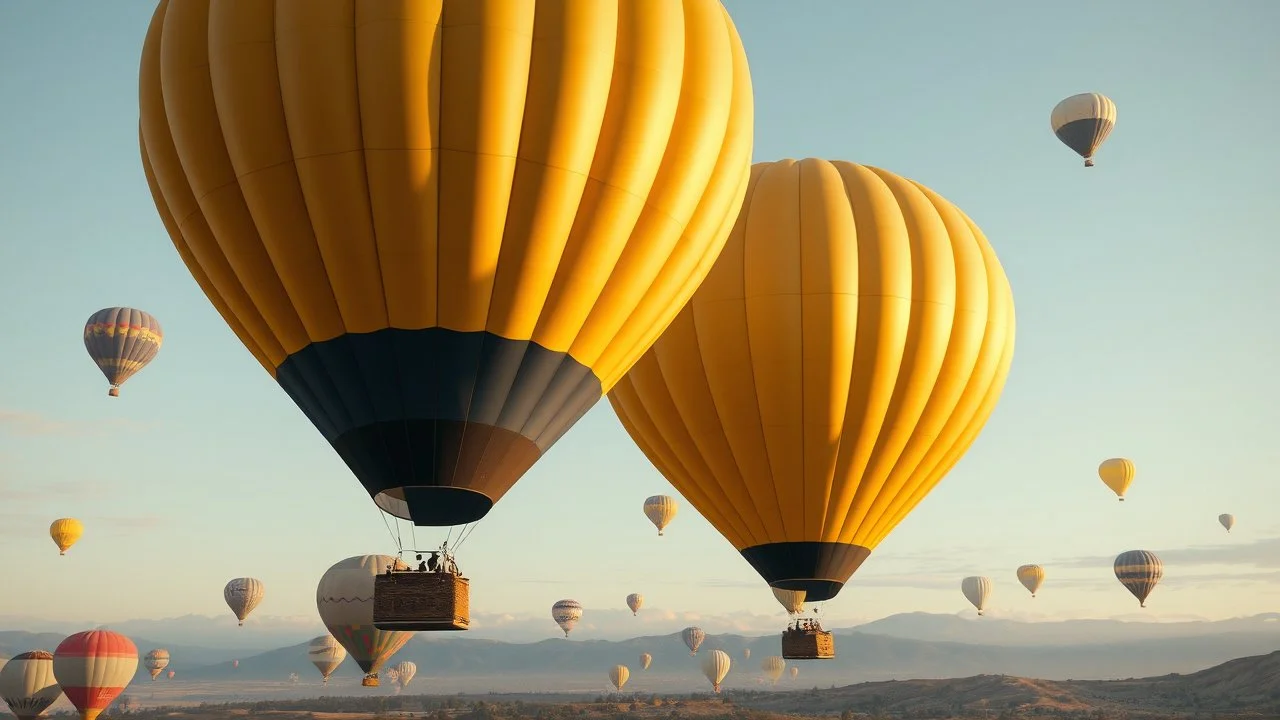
[[915, 645]]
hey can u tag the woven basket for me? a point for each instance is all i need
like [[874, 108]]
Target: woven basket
[[370, 681], [808, 645], [421, 601]]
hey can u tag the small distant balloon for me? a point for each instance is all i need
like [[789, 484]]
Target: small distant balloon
[[1031, 577], [1227, 520], [121, 341], [977, 589], [645, 661], [795, 671], [693, 637], [65, 532], [1083, 122], [1117, 474], [243, 595], [1139, 571], [661, 510], [566, 613], [635, 601]]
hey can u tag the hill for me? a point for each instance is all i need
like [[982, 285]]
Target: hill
[[1242, 688]]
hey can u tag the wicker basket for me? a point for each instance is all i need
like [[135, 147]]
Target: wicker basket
[[808, 645], [421, 601], [370, 681]]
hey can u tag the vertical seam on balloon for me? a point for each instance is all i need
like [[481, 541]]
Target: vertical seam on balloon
[[804, 478], [392, 333]]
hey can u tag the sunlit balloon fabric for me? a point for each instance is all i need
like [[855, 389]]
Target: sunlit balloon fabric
[[1139, 571], [27, 684], [1117, 474], [1031, 577], [93, 668], [326, 653], [243, 595], [635, 601], [122, 341], [344, 598], [406, 671], [661, 510], [65, 532], [156, 661], [566, 613], [977, 590], [791, 600], [845, 350], [772, 667], [1083, 122], [1227, 520], [443, 239], [715, 666], [618, 675], [645, 661]]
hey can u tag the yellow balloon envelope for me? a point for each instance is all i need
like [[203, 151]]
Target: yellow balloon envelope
[[844, 352], [1117, 474], [65, 532], [445, 228]]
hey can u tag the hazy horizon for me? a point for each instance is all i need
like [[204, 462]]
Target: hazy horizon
[[1142, 289]]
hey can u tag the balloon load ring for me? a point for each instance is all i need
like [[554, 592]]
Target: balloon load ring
[[413, 600]]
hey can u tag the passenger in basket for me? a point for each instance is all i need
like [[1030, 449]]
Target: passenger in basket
[[433, 562], [422, 565]]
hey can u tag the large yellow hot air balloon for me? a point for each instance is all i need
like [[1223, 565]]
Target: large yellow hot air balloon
[[65, 532], [443, 238], [844, 352], [1117, 474], [344, 598]]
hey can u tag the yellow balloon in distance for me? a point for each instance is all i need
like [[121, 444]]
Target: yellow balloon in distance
[[445, 227], [840, 358]]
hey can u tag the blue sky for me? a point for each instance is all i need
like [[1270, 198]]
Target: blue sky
[[1145, 297]]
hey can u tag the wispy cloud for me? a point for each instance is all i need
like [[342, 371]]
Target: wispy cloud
[[25, 524], [13, 493], [1263, 553], [29, 424]]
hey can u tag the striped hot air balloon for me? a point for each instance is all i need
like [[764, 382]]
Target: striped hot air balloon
[[121, 341], [661, 510], [1139, 571], [715, 667], [773, 667], [618, 675], [693, 637], [326, 653], [243, 595], [27, 684], [156, 661], [566, 613], [976, 590], [635, 601], [93, 668], [1083, 122]]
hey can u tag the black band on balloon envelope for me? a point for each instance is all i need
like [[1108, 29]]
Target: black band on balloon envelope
[[445, 421], [818, 568]]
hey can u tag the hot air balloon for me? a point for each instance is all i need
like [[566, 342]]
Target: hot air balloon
[[406, 670], [242, 596], [27, 684], [844, 352], [566, 613], [645, 661], [661, 510], [235, 663], [693, 637], [445, 241], [93, 668], [121, 341], [326, 653], [746, 653], [976, 590], [715, 667], [1227, 520], [1117, 474], [344, 598], [1083, 122], [795, 671], [170, 674], [791, 600], [156, 661], [65, 532], [635, 601], [773, 667], [618, 675], [1139, 571], [1031, 577]]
